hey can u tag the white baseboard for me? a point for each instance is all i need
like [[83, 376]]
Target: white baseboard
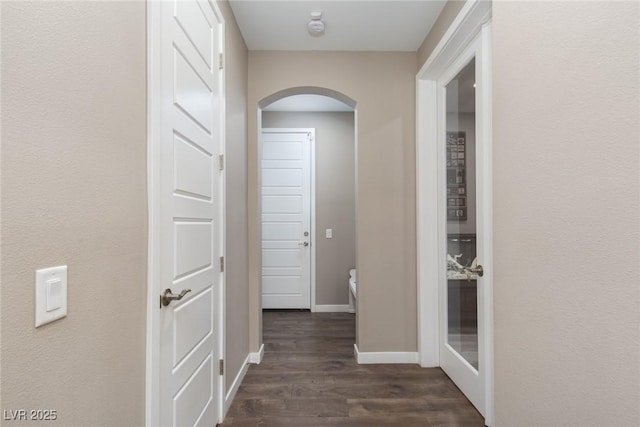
[[332, 308], [256, 357], [231, 394], [388, 357]]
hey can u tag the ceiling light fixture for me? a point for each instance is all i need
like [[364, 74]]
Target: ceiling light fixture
[[315, 25]]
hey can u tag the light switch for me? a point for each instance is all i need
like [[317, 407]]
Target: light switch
[[328, 233], [54, 294], [51, 294]]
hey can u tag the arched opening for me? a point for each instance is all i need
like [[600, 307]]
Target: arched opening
[[328, 237], [307, 90]]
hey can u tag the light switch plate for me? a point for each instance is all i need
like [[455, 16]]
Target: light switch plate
[[51, 294], [328, 233]]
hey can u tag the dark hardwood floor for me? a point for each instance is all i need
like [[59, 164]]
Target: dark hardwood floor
[[309, 377]]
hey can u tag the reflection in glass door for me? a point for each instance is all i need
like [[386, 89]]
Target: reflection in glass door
[[462, 269]]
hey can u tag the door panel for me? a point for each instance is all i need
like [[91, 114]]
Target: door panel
[[282, 178], [280, 150], [283, 258], [282, 231], [286, 216], [190, 213], [195, 26], [193, 320], [191, 94], [193, 176], [193, 247], [462, 184], [282, 204], [194, 399], [277, 284]]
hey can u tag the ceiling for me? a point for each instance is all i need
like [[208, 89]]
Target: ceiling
[[351, 25]]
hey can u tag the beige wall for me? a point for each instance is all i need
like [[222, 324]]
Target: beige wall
[[383, 84], [74, 192], [567, 229], [236, 274], [566, 162], [446, 17], [335, 196], [566, 200]]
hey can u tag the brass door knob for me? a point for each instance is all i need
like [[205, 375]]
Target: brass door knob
[[477, 270], [168, 296]]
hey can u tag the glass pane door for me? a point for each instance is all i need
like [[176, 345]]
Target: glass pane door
[[464, 221], [462, 283]]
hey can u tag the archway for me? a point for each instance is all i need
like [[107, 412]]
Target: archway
[[307, 90], [256, 243]]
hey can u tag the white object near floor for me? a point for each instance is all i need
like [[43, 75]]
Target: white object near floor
[[384, 357], [353, 292]]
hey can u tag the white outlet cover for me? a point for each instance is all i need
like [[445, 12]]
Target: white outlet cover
[[51, 294]]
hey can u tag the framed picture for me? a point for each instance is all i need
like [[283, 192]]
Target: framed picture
[[456, 176], [457, 213], [456, 201]]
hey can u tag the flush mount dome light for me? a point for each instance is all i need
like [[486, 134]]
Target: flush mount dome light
[[315, 25]]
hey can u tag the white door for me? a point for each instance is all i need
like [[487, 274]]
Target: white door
[[464, 204], [286, 218], [187, 183]]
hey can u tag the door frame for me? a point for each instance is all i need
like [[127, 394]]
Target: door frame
[[472, 21], [312, 237], [154, 200]]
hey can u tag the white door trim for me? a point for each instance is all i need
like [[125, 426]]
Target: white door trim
[[312, 237], [154, 171], [222, 206], [469, 24], [152, 389], [485, 163]]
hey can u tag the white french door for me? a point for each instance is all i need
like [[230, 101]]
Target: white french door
[[454, 201], [286, 218], [186, 213], [464, 200]]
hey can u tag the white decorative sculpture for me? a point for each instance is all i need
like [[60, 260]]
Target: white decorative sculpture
[[457, 271]]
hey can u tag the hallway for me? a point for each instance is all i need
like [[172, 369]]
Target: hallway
[[309, 377]]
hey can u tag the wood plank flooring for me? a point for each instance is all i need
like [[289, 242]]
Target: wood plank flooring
[[309, 377]]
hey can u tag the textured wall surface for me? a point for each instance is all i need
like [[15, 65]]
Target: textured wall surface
[[74, 193], [446, 17], [335, 197], [567, 229], [236, 275], [383, 85]]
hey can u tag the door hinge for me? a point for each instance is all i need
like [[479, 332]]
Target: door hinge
[[221, 264], [221, 61], [221, 366], [221, 161]]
